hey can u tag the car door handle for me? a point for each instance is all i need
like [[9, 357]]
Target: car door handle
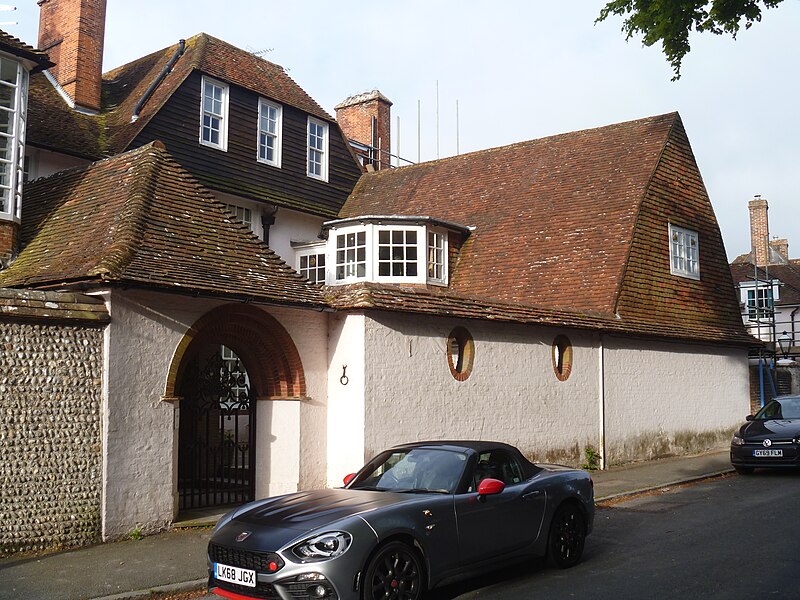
[[533, 494]]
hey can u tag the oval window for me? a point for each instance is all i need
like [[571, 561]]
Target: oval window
[[460, 353], [562, 357]]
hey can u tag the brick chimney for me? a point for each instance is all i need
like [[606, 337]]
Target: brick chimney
[[759, 230], [9, 241], [72, 32], [366, 121]]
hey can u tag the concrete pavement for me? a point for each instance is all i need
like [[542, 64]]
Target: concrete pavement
[[175, 560]]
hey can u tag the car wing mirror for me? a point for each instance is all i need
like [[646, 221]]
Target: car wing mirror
[[490, 487], [749, 418], [348, 478]]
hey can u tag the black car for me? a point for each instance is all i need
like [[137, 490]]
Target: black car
[[770, 438], [415, 517]]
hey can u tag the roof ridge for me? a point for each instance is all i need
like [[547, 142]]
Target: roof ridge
[[131, 220]]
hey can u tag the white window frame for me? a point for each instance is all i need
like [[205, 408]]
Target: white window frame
[[243, 214], [222, 116], [350, 266], [323, 151], [684, 252], [372, 263], [320, 271], [431, 261], [14, 165], [419, 247], [276, 135]]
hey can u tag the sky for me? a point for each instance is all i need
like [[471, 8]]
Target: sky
[[513, 70]]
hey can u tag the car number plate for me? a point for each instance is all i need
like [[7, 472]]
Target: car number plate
[[235, 575], [772, 453]]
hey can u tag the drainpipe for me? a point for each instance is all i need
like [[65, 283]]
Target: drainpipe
[[159, 78], [267, 221], [602, 404]]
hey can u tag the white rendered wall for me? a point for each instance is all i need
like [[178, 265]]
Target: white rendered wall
[[671, 398], [512, 395], [141, 430], [43, 163], [346, 427]]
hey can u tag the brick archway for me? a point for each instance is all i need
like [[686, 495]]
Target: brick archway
[[260, 341]]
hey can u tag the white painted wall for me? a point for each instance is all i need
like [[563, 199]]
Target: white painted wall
[[43, 163], [658, 398], [346, 429], [140, 429], [512, 394], [664, 398]]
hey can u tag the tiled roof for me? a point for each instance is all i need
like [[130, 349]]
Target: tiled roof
[[788, 275], [139, 219], [575, 223], [12, 45], [369, 296], [124, 86]]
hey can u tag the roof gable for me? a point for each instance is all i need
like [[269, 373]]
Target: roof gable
[[140, 219]]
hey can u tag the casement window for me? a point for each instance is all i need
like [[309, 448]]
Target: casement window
[[684, 252], [759, 303], [13, 107], [242, 214], [391, 253], [437, 257], [351, 255], [317, 164], [398, 252], [311, 264], [214, 114], [269, 133]]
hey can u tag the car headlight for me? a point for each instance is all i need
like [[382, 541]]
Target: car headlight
[[323, 547], [737, 440]]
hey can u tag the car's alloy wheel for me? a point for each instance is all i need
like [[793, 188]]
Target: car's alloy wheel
[[395, 572], [567, 537]]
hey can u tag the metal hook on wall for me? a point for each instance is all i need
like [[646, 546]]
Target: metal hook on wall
[[344, 379]]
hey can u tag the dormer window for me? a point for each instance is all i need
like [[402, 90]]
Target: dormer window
[[269, 133], [393, 249], [13, 96], [214, 114], [317, 164], [684, 252]]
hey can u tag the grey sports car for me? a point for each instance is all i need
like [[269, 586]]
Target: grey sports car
[[413, 518]]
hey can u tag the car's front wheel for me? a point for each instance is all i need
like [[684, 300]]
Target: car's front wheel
[[395, 572], [567, 537]]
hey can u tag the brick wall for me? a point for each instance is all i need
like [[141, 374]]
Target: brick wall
[[8, 240], [72, 32], [50, 429], [355, 116]]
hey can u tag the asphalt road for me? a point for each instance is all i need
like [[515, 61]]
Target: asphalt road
[[728, 538]]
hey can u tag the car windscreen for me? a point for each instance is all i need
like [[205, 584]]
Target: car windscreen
[[780, 408], [414, 470]]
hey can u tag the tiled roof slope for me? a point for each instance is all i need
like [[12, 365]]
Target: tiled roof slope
[[571, 223], [139, 219], [124, 86], [648, 292], [788, 274], [442, 303], [10, 44]]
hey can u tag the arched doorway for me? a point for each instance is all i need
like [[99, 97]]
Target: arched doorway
[[229, 360]]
